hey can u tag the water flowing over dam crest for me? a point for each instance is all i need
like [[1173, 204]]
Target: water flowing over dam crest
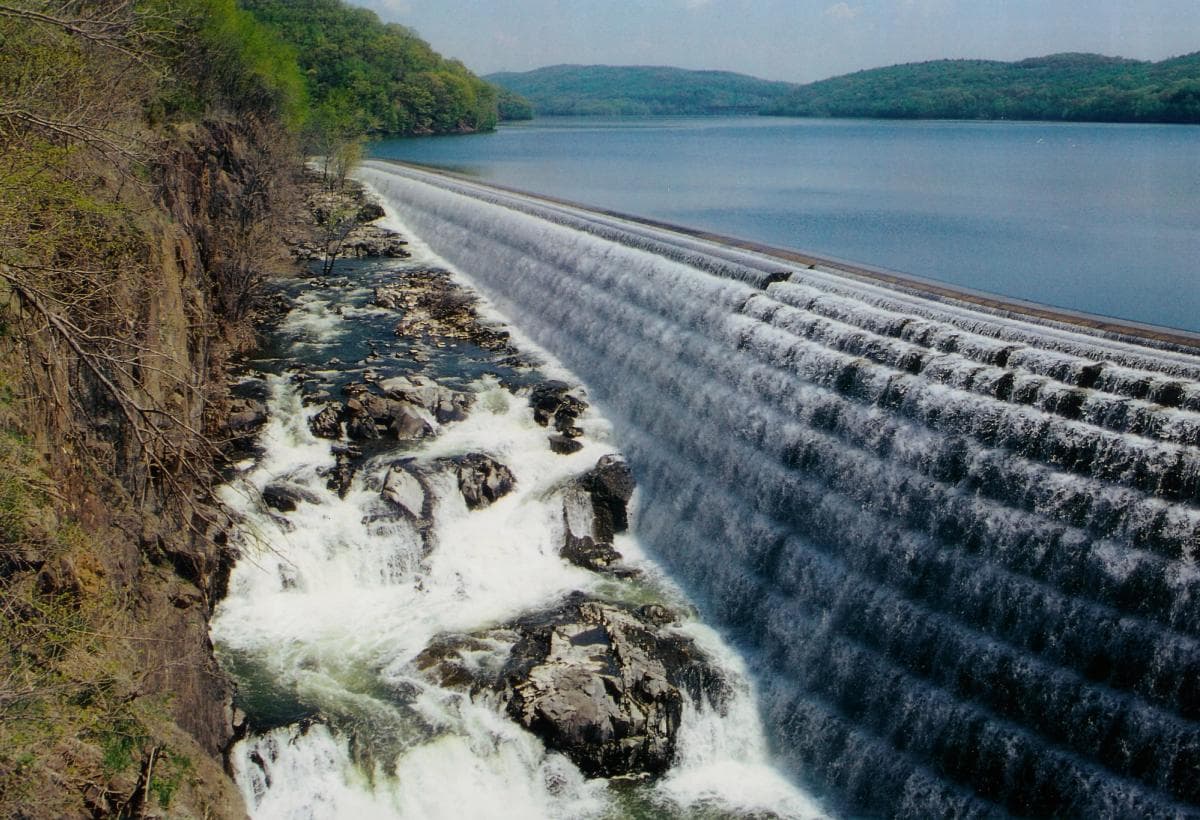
[[959, 547]]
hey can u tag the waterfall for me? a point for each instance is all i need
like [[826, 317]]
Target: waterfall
[[337, 593], [958, 545]]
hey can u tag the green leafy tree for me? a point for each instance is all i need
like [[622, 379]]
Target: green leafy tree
[[379, 79]]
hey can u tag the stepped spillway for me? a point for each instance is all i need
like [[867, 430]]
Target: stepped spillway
[[958, 543]]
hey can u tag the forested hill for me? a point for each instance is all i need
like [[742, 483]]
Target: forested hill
[[1078, 87], [374, 77], [631, 90]]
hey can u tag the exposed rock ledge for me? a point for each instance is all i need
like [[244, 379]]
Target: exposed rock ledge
[[603, 683]]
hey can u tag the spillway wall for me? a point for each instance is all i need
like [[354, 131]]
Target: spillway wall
[[960, 548]]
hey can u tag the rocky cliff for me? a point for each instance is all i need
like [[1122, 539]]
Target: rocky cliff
[[111, 552]]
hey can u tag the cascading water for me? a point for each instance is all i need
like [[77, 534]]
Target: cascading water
[[337, 594], [960, 547]]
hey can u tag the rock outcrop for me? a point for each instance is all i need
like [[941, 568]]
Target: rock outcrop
[[285, 497], [610, 485], [434, 306], [482, 480], [552, 402], [594, 511], [327, 423], [406, 491], [341, 221], [601, 682]]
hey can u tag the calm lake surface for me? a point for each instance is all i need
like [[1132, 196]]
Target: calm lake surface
[[1098, 218]]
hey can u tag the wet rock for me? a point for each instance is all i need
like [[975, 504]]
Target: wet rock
[[340, 476], [327, 423], [369, 211], [588, 553], [602, 683], [437, 308], [372, 242], [388, 297], [362, 429], [360, 426], [286, 497], [610, 485], [473, 662], [552, 401], [379, 408], [564, 446], [315, 396], [594, 511], [444, 404], [411, 423], [452, 406], [245, 420], [482, 480], [368, 415], [405, 490]]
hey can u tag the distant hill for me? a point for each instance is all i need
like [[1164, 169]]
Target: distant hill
[[1077, 87], [631, 90]]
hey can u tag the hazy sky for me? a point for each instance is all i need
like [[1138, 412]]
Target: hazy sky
[[797, 40]]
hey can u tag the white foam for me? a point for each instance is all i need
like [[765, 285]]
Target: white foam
[[333, 607]]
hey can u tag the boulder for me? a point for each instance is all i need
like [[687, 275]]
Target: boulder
[[388, 297], [379, 408], [246, 416], [564, 446], [610, 485], [587, 552], [360, 426], [552, 400], [406, 491], [286, 497], [482, 480], [444, 404], [367, 414], [594, 511], [603, 683], [369, 211], [371, 242], [327, 423], [472, 662], [409, 422]]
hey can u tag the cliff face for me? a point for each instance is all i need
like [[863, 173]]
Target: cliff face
[[111, 553]]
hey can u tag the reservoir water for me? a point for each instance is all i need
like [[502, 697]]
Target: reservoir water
[[1099, 218]]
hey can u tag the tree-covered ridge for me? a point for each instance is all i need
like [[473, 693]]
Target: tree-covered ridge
[[376, 78], [633, 90], [512, 106], [1073, 87]]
